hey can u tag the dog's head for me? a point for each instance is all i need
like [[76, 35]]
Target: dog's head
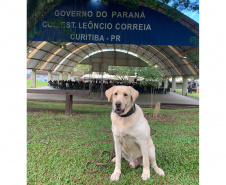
[[123, 98]]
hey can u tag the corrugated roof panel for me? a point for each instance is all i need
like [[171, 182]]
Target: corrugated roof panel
[[186, 69], [72, 64], [160, 56], [32, 63], [110, 45], [48, 66], [55, 59], [79, 52], [177, 60], [73, 56], [60, 68], [77, 58], [173, 71], [168, 55], [70, 47], [108, 55], [120, 55], [66, 62], [89, 51], [63, 52], [36, 44], [39, 55], [48, 46]]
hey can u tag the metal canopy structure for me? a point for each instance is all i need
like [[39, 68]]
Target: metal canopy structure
[[172, 60]]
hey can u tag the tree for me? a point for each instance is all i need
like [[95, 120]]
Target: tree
[[123, 71], [192, 78], [37, 10], [152, 75], [82, 68]]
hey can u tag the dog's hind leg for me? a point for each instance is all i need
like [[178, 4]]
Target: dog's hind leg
[[132, 162], [151, 154], [135, 162], [125, 156]]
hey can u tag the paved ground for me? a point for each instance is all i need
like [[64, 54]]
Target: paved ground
[[143, 99]]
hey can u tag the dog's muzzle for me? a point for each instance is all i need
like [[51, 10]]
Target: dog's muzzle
[[118, 109]]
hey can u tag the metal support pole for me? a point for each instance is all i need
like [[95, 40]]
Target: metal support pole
[[184, 86], [166, 83], [33, 79], [68, 76], [102, 90], [49, 76], [173, 84], [61, 76]]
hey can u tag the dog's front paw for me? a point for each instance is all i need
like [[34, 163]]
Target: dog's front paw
[[145, 175], [159, 171], [115, 176], [113, 160]]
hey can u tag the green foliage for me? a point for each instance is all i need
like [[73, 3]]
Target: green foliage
[[152, 2], [34, 32], [173, 13], [195, 40], [194, 94], [194, 78], [130, 4], [150, 74], [59, 146], [31, 6], [57, 22], [151, 82], [123, 71], [83, 68], [177, 5], [194, 57], [36, 11], [65, 77], [38, 83]]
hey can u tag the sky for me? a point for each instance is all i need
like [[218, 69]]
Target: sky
[[192, 15]]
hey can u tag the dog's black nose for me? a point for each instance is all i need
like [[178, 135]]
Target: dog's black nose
[[118, 104]]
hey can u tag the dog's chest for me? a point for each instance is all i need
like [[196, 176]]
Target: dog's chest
[[126, 140], [129, 146], [124, 135]]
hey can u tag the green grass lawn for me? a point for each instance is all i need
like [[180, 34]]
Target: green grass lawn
[[38, 83], [194, 94], [59, 146]]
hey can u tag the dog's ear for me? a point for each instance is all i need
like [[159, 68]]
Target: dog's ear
[[109, 92], [134, 94]]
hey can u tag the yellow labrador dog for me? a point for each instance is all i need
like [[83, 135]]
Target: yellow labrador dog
[[131, 132]]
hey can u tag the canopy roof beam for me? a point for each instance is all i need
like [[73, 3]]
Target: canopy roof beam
[[166, 59]]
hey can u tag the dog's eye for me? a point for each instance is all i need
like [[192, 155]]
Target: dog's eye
[[116, 94], [125, 95]]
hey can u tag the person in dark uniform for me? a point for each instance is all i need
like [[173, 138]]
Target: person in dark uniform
[[189, 88]]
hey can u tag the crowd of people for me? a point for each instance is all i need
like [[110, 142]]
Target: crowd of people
[[96, 86], [68, 84]]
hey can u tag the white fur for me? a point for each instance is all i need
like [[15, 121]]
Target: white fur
[[131, 134]]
